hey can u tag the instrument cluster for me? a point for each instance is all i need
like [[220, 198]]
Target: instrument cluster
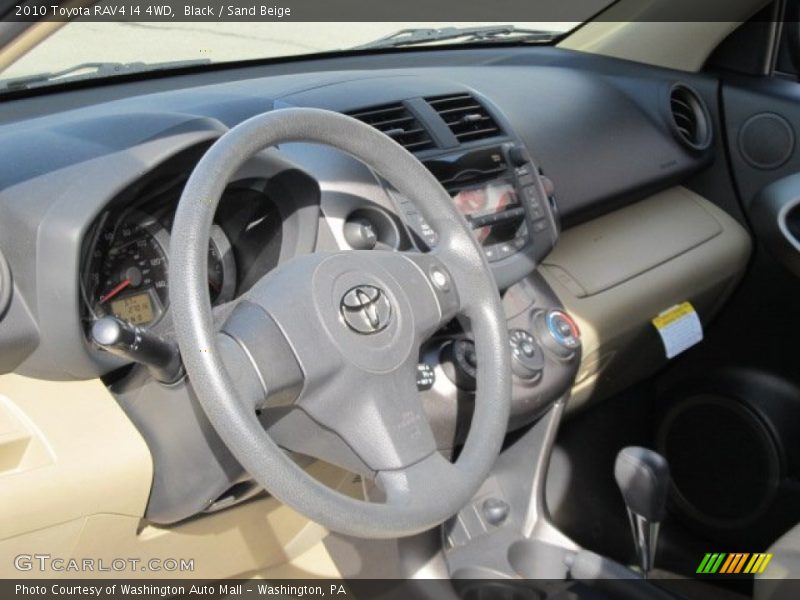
[[125, 267], [128, 269]]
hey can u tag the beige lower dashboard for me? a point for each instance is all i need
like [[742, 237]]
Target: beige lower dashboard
[[75, 477], [615, 273]]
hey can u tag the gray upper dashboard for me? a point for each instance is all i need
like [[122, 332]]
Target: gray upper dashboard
[[598, 128], [606, 117]]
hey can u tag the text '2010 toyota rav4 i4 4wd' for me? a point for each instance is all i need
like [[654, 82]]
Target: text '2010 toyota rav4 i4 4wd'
[[347, 299]]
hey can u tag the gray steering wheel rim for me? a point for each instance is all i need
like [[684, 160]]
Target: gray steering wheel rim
[[215, 390]]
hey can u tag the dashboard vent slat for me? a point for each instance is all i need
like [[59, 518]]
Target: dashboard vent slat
[[689, 118], [396, 121], [447, 111], [467, 118]]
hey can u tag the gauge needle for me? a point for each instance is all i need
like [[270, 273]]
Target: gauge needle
[[117, 289]]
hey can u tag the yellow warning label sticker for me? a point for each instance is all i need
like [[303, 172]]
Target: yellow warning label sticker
[[679, 328], [673, 314]]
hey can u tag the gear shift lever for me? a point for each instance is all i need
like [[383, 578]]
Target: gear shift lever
[[643, 478]]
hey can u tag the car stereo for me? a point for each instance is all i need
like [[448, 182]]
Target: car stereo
[[498, 191]]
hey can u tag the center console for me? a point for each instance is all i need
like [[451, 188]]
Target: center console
[[510, 206]]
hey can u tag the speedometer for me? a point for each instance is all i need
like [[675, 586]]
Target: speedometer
[[129, 275]]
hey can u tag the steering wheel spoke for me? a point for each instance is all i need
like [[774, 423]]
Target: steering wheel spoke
[[402, 486], [251, 337], [379, 417]]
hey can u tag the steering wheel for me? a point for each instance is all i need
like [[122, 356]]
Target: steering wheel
[[333, 340]]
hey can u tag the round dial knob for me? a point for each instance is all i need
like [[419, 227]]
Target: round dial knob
[[527, 360], [518, 156], [558, 332], [460, 363], [465, 357], [549, 186], [360, 234]]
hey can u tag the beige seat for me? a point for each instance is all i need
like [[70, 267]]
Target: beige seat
[[781, 579]]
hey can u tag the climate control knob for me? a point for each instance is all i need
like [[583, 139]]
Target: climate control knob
[[527, 360], [558, 332]]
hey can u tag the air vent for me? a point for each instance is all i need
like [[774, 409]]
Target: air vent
[[396, 121], [467, 118], [690, 119]]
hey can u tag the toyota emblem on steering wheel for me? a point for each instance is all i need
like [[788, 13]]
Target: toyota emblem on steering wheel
[[366, 309]]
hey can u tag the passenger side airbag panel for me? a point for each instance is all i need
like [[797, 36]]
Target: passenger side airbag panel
[[617, 272], [624, 244]]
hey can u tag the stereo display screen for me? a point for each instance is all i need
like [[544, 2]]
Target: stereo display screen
[[492, 198]]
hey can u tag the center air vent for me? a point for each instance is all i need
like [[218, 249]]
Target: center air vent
[[467, 118], [690, 119], [396, 121]]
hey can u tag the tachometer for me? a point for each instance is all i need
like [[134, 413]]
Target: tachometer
[[221, 267]]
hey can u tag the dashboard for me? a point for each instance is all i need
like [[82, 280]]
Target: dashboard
[[462, 138], [124, 261], [519, 137]]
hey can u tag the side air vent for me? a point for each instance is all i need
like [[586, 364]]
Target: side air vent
[[690, 119], [467, 118], [396, 121]]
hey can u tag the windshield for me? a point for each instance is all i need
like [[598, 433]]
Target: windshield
[[134, 46]]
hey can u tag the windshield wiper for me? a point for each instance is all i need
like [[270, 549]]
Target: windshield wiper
[[486, 33], [92, 70]]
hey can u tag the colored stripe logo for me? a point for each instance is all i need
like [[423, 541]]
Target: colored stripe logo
[[733, 563]]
